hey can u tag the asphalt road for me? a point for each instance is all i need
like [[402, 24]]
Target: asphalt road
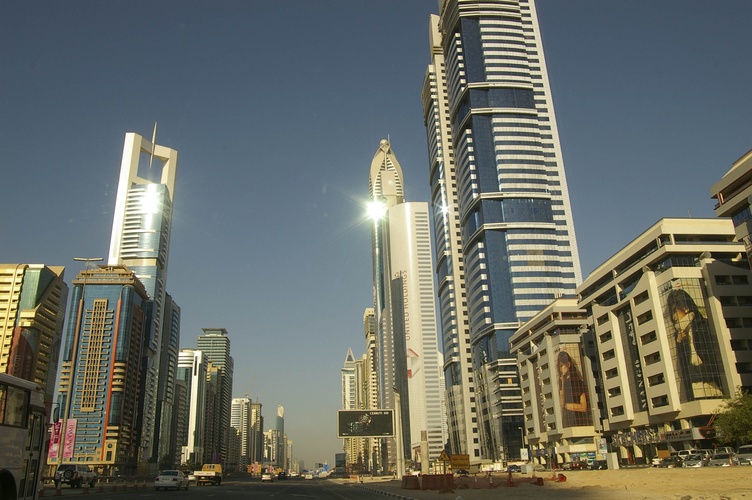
[[292, 488]]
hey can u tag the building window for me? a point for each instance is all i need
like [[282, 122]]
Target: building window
[[618, 411], [659, 401], [648, 338], [656, 380], [605, 337]]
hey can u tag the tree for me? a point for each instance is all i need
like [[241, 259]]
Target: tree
[[733, 420]]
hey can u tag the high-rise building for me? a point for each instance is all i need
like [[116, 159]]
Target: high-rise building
[[257, 433], [168, 365], [192, 372], [216, 345], [279, 425], [141, 240], [240, 420], [99, 378], [32, 311], [505, 242], [354, 397], [409, 364]]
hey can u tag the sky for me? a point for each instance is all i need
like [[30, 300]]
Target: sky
[[276, 110]]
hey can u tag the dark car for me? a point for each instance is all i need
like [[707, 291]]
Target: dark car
[[462, 472], [514, 468], [580, 465], [599, 465], [671, 462], [282, 475]]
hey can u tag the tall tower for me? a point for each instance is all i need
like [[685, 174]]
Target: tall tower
[[404, 306], [257, 433], [240, 420], [505, 241], [216, 345], [191, 374], [141, 240], [99, 377], [32, 300]]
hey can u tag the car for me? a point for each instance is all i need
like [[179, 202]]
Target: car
[[191, 477], [169, 479], [309, 476], [656, 461], [671, 461], [461, 472], [514, 468], [694, 460], [75, 475], [267, 477], [723, 459], [744, 454], [282, 475], [599, 465], [578, 465]]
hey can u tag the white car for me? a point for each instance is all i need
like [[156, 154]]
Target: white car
[[267, 477], [171, 479], [309, 476]]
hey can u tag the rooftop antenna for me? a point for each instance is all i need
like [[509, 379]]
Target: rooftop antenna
[[153, 144]]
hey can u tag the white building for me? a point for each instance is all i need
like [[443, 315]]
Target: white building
[[192, 371], [409, 369], [240, 420], [140, 239]]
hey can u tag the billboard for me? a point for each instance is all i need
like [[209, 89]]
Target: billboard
[[573, 388], [694, 344], [365, 423]]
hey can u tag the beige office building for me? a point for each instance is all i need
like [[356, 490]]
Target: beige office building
[[671, 314], [557, 379]]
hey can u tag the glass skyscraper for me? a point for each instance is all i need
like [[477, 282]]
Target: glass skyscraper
[[505, 241], [140, 239]]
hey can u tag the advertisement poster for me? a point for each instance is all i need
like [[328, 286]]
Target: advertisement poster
[[55, 440], [573, 392], [70, 438], [694, 345]]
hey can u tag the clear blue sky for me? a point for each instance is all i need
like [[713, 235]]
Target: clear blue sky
[[276, 109]]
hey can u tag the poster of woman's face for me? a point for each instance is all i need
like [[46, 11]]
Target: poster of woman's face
[[573, 393], [694, 345]]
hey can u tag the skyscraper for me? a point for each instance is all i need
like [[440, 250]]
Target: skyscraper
[[505, 242], [191, 374], [32, 310], [216, 346], [409, 364], [99, 377], [257, 433], [240, 420], [141, 240]]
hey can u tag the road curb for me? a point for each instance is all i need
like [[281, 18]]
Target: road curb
[[386, 493]]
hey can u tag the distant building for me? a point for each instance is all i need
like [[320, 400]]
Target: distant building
[[355, 397], [670, 316], [240, 420], [216, 344], [100, 371], [256, 452], [192, 373], [32, 312], [140, 239], [168, 365]]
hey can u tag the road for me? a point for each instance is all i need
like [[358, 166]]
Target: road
[[240, 489]]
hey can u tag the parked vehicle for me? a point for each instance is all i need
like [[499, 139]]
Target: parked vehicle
[[169, 479], [75, 475], [744, 454], [671, 461], [599, 465], [514, 468], [723, 460], [209, 473], [695, 460], [656, 462]]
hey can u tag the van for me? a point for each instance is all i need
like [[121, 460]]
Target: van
[[744, 454]]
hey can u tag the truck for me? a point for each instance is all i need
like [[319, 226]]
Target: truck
[[209, 473]]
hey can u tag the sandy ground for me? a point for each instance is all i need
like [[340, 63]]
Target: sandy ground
[[622, 484]]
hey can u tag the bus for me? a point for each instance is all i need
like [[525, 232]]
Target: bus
[[22, 424]]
